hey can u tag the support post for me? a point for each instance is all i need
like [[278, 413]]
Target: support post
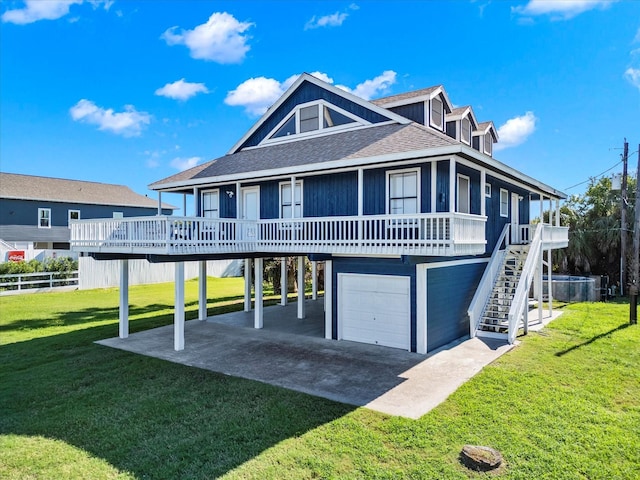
[[178, 315], [550, 281], [247, 284], [159, 203], [124, 299], [328, 299], [283, 281], [540, 282], [314, 280], [452, 185], [301, 310], [434, 186], [202, 290], [258, 317]]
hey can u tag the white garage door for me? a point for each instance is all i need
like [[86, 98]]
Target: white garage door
[[375, 309]]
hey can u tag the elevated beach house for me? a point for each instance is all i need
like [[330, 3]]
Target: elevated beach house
[[425, 237]]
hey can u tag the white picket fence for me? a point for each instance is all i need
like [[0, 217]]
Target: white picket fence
[[34, 281]]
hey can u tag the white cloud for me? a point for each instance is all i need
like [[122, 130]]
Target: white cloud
[[256, 95], [128, 123], [516, 130], [181, 163], [220, 40], [181, 90], [333, 20], [560, 9], [35, 10], [633, 76]]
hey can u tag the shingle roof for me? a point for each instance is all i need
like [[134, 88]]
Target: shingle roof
[[29, 187], [404, 96], [362, 143]]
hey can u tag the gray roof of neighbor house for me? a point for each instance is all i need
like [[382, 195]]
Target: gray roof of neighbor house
[[361, 143], [30, 187]]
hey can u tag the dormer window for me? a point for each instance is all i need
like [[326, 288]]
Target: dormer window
[[488, 143], [314, 117], [437, 113], [465, 130]]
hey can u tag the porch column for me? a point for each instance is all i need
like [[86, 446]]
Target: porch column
[[540, 283], [557, 212], [124, 299], [283, 281], [549, 273], [328, 299], [184, 204], [360, 192], [434, 186], [178, 315], [421, 309], [247, 284], [483, 186], [159, 203], [202, 291], [541, 208], [301, 312], [196, 210], [258, 317], [550, 211], [452, 185], [314, 280]]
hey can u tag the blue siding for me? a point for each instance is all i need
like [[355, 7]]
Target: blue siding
[[270, 199], [330, 195], [414, 112], [449, 294], [495, 223], [25, 212], [373, 266], [308, 92], [425, 188], [442, 186], [374, 192], [228, 203], [474, 178]]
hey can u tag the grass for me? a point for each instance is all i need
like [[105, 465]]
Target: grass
[[563, 405]]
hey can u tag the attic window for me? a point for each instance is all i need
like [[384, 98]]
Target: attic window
[[465, 130], [289, 128], [309, 119], [333, 118], [436, 113], [488, 143]]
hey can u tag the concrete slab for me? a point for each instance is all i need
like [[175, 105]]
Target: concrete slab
[[387, 380]]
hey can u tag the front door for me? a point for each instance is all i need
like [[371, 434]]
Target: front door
[[250, 211], [515, 219]]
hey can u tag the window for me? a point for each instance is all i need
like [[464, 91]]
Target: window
[[487, 190], [464, 197], [333, 118], [403, 192], [211, 204], [488, 143], [287, 202], [289, 128], [465, 130], [73, 215], [436, 112], [311, 118], [44, 218], [504, 203]]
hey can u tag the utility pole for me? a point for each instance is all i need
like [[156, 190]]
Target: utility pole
[[633, 291], [623, 222]]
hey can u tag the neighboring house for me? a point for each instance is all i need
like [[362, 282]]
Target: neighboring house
[[426, 238], [36, 212]]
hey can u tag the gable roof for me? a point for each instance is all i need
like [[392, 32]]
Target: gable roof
[[29, 187], [461, 112], [484, 127]]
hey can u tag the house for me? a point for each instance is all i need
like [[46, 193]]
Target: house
[[425, 237], [35, 212]]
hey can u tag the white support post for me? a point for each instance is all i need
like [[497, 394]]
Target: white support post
[[124, 299], [549, 279], [247, 284], [202, 291], [196, 210], [301, 310], [557, 212], [540, 282], [360, 192], [314, 280], [328, 299], [434, 186], [184, 204], [541, 208], [421, 309], [283, 281], [452, 185], [550, 211], [483, 186], [258, 316], [159, 203], [178, 316]]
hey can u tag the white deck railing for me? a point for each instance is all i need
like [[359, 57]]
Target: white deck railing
[[442, 234]]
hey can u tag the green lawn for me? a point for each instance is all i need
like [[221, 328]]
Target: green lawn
[[564, 404]]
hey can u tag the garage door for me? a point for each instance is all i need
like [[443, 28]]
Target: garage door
[[375, 309]]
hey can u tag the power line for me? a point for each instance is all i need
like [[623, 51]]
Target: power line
[[592, 178]]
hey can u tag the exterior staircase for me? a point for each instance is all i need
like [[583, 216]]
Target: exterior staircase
[[495, 315]]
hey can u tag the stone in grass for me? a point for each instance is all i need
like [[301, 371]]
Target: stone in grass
[[481, 459]]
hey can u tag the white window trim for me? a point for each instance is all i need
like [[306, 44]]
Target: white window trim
[[359, 122], [503, 191], [40, 211], [202, 194], [468, 179], [487, 190], [431, 123], [388, 187], [280, 185], [69, 216]]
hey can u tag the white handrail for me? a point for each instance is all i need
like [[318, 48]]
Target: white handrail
[[485, 287], [521, 296]]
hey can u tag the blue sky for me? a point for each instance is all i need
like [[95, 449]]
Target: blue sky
[[130, 92]]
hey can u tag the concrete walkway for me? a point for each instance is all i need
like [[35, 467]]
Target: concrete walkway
[[384, 379]]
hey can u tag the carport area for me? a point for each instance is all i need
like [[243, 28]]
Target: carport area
[[293, 353]]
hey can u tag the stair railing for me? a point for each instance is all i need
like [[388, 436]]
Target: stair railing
[[521, 296], [485, 287]]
